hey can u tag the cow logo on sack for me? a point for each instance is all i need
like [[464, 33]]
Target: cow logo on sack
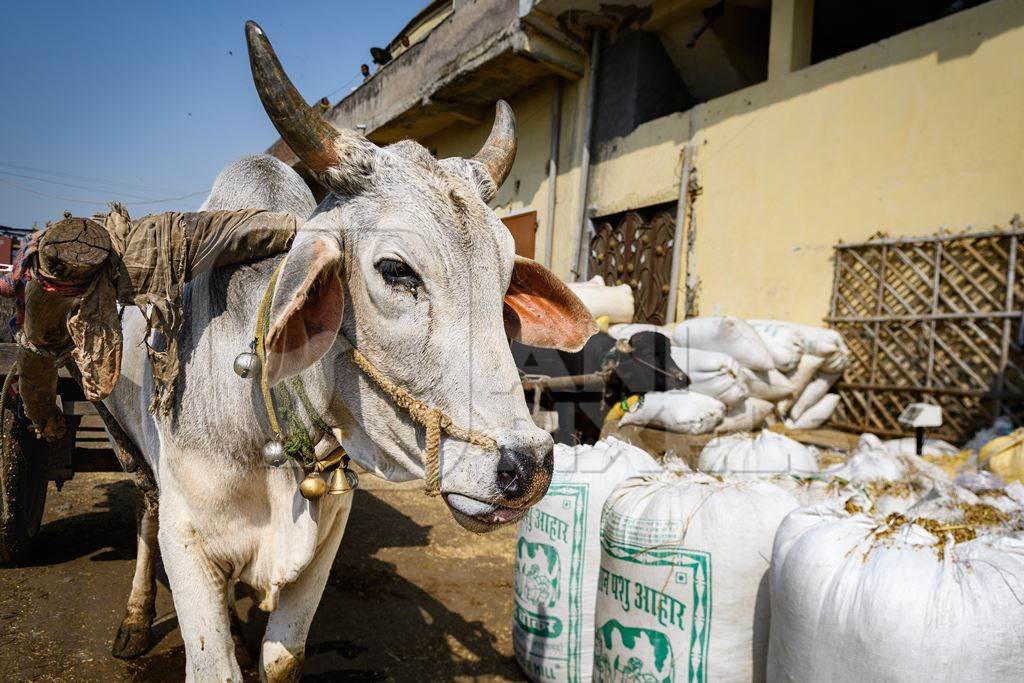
[[547, 610], [632, 655], [538, 577]]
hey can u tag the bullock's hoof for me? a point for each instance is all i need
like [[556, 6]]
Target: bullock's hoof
[[132, 640]]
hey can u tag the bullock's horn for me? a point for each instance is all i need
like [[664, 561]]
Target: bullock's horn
[[499, 150], [309, 136]]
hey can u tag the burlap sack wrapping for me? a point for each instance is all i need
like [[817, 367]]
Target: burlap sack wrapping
[[152, 260], [160, 253]]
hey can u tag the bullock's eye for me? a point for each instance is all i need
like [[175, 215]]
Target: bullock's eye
[[397, 273]]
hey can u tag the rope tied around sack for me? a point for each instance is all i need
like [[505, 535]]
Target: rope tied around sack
[[433, 420]]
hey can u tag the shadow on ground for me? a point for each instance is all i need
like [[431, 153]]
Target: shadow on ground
[[411, 597]]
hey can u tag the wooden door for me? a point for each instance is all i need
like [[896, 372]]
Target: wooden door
[[523, 227]]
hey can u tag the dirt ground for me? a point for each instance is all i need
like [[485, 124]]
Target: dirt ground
[[412, 596]]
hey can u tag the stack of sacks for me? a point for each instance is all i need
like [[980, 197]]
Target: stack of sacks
[[785, 342], [726, 359], [558, 555], [931, 594], [614, 303], [713, 374], [682, 593], [756, 370], [822, 361], [731, 336]]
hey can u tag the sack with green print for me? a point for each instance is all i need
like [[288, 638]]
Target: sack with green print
[[682, 593], [558, 555]]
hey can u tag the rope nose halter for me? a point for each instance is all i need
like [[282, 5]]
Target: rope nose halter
[[298, 443]]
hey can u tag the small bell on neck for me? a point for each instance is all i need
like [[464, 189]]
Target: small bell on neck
[[342, 481], [313, 486], [273, 453], [247, 363]]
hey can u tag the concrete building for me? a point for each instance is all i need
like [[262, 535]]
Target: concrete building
[[797, 124]]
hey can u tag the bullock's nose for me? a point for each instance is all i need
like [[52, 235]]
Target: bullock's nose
[[524, 474]]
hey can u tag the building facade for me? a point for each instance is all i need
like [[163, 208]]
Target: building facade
[[789, 126]]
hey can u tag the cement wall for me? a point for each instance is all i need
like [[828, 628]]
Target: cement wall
[[919, 131]]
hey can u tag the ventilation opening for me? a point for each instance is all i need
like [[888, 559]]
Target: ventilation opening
[[841, 26]]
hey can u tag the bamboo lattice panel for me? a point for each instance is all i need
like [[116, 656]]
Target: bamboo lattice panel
[[931, 320]]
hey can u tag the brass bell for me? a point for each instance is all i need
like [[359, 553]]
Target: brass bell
[[273, 453], [313, 486], [343, 480], [247, 365]]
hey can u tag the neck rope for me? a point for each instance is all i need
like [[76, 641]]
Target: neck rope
[[297, 442]]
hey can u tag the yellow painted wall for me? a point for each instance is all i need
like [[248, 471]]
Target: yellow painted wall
[[923, 130], [920, 131]]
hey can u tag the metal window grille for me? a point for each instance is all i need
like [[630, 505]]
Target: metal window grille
[[636, 249]]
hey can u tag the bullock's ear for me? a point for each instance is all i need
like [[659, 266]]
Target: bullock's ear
[[541, 311], [307, 308]]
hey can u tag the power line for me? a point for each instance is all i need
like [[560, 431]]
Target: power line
[[71, 185], [61, 174], [97, 202]]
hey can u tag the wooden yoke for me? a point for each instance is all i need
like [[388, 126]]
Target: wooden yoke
[[73, 250]]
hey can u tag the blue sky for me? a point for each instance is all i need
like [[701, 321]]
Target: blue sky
[[140, 101]]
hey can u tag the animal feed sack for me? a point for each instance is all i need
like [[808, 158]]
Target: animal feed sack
[[681, 411], [745, 416], [558, 555], [765, 455], [713, 374], [681, 594], [816, 415], [784, 342], [731, 336], [930, 595]]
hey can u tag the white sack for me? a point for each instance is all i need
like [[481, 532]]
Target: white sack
[[768, 386], [747, 416], [681, 594], [785, 342], [712, 374], [826, 343], [558, 555], [817, 415], [600, 299], [681, 411], [848, 606], [805, 370], [814, 490], [812, 393], [730, 336], [764, 455], [627, 330]]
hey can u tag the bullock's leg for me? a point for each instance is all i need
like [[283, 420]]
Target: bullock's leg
[[199, 587], [284, 642], [135, 635]]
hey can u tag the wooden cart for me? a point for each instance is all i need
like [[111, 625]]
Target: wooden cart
[[27, 465]]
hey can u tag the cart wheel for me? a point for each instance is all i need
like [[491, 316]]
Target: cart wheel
[[23, 489]]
